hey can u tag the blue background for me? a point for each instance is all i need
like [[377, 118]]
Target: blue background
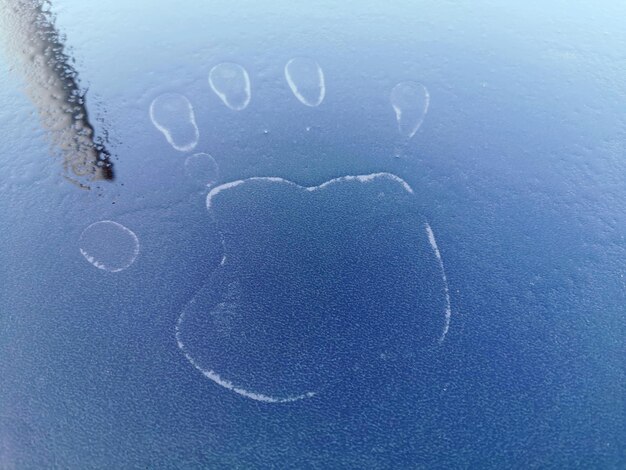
[[519, 167]]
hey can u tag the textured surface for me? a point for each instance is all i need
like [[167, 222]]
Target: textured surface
[[518, 168]]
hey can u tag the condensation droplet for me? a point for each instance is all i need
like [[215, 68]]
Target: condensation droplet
[[172, 114], [109, 245], [231, 83], [410, 102], [202, 169], [305, 78]]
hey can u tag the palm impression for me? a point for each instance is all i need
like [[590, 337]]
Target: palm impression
[[314, 281]]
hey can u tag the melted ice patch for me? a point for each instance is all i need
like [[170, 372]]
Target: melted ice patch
[[172, 114], [410, 101], [202, 169], [231, 83], [109, 246], [313, 280], [305, 78]]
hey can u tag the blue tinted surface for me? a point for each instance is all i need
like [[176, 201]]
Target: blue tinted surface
[[519, 167]]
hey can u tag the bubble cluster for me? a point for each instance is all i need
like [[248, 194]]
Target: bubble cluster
[[109, 246]]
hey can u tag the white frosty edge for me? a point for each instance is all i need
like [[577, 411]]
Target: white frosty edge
[[91, 259], [294, 87], [168, 134], [448, 315], [419, 123], [218, 379], [223, 96], [360, 178]]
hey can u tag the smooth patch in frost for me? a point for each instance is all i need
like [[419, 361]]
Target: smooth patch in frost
[[231, 83], [109, 246], [202, 169], [410, 101], [305, 78], [172, 114]]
